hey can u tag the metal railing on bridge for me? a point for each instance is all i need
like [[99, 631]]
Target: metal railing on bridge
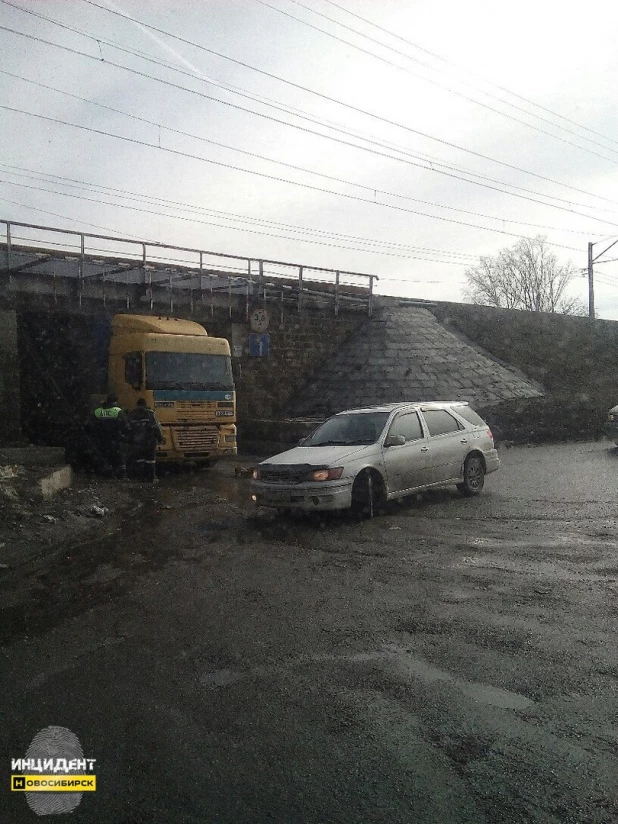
[[198, 275]]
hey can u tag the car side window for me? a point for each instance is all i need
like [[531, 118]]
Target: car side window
[[407, 425], [441, 422]]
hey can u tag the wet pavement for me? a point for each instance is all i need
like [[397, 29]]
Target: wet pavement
[[451, 661]]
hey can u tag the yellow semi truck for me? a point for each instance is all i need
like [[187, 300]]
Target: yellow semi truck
[[184, 375]]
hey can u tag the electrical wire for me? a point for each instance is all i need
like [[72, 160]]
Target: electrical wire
[[297, 113], [434, 82], [469, 71], [321, 174], [98, 201], [188, 155], [452, 91], [140, 197], [326, 97]]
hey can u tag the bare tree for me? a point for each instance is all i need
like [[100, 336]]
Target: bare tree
[[526, 276]]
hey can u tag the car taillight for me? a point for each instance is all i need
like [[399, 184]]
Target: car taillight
[[490, 435]]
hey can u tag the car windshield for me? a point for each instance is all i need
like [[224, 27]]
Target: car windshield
[[346, 430]]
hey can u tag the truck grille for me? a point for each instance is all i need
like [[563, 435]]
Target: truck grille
[[195, 438], [285, 474], [195, 410]]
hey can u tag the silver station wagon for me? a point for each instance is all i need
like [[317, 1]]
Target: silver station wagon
[[362, 458]]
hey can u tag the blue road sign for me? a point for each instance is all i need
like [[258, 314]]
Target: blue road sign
[[259, 345]]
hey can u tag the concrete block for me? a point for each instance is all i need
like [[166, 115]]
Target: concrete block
[[55, 481]]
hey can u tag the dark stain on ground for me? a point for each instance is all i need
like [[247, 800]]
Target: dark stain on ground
[[54, 592], [463, 749]]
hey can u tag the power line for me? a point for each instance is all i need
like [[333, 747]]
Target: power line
[[55, 214], [441, 85], [331, 99], [178, 153], [242, 229], [123, 193], [321, 174], [426, 159], [429, 80], [469, 71]]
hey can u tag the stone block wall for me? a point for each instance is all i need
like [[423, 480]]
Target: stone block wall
[[405, 354], [300, 348]]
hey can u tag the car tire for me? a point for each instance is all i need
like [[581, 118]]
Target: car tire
[[473, 476], [367, 494]]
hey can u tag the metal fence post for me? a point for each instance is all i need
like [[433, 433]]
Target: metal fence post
[[8, 254], [248, 291], [336, 294], [147, 279], [80, 281], [261, 282]]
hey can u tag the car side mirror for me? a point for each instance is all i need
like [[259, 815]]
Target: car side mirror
[[395, 440]]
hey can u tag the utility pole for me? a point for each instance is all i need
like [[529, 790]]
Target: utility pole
[[591, 261], [590, 283]]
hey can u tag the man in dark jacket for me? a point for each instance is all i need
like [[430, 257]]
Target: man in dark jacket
[[107, 425], [145, 433]]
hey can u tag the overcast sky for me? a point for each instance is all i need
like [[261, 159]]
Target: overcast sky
[[481, 122]]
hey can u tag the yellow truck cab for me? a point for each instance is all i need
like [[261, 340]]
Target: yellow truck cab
[[184, 375]]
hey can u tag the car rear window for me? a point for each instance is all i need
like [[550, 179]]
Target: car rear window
[[440, 422], [470, 415]]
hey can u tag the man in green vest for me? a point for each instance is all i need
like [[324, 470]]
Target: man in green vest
[[107, 425]]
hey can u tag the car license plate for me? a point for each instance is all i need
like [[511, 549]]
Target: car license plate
[[278, 495]]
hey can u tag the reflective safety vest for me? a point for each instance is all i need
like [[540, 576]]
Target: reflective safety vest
[[107, 412]]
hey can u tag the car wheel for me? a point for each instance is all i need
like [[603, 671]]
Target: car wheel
[[473, 476], [367, 494]]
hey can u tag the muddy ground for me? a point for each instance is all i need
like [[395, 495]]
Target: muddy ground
[[451, 661]]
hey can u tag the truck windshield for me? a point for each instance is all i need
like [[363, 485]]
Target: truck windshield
[[345, 430], [188, 370]]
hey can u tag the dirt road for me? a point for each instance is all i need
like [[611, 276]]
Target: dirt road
[[452, 661]]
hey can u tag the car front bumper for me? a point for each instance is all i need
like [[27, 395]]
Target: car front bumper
[[308, 497]]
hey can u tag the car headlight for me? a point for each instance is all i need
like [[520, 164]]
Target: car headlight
[[611, 417], [256, 474], [327, 474]]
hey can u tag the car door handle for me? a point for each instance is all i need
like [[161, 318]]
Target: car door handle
[[424, 449], [464, 440]]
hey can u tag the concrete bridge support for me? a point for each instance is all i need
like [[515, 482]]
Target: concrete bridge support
[[10, 430]]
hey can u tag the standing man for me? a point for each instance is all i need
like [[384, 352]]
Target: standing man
[[145, 434], [107, 425]]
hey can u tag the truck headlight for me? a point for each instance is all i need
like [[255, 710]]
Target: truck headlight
[[327, 474]]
